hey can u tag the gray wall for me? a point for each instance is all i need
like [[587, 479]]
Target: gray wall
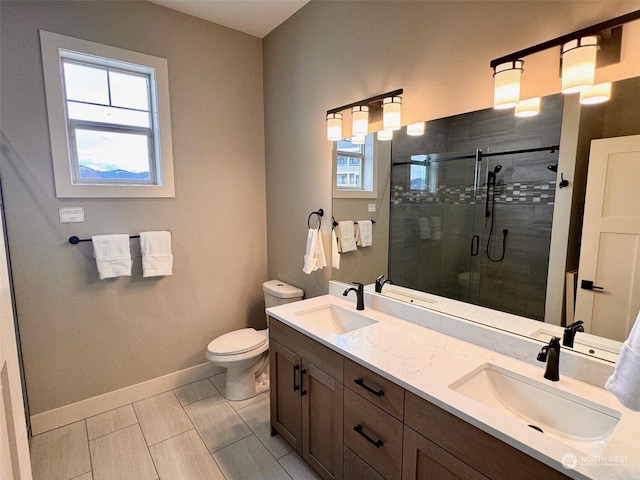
[[333, 53], [82, 337]]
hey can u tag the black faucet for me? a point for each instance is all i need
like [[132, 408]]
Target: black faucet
[[551, 354], [359, 295], [570, 333], [380, 282]]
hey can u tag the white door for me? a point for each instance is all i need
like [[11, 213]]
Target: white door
[[610, 249], [14, 446]]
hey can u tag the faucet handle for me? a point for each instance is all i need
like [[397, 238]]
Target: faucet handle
[[577, 326]]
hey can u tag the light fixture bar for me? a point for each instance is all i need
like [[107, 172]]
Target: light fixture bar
[[367, 101], [556, 42]]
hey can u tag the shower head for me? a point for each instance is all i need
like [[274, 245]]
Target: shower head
[[496, 169], [552, 167]]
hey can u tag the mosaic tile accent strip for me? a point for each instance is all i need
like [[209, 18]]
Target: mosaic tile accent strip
[[530, 193]]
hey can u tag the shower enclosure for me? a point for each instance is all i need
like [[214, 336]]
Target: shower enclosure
[[474, 224]]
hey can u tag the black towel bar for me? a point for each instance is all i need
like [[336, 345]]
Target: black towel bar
[[75, 240]]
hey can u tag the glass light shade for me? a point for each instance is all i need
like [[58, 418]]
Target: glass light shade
[[360, 121], [358, 139], [506, 84], [528, 108], [415, 129], [597, 94], [334, 127], [384, 135], [579, 64], [391, 113]]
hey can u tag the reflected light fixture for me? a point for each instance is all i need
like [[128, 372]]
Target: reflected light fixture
[[579, 64], [360, 121], [391, 113], [334, 127], [528, 108], [506, 84], [415, 129], [385, 135], [597, 94], [378, 107]]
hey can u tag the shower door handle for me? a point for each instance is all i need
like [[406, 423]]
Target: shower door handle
[[475, 245]]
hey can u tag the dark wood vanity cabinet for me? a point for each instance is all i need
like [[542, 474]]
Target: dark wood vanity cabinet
[[349, 422], [307, 398]]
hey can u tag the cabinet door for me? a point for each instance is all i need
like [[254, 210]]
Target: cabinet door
[[322, 422], [424, 460], [286, 412]]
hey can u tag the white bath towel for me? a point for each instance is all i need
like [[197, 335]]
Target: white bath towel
[[314, 258], [346, 236], [113, 255], [364, 233], [625, 381], [335, 251], [157, 259]]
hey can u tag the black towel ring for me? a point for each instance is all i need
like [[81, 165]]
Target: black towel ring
[[319, 213]]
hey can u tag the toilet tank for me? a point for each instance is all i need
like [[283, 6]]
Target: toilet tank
[[279, 293]]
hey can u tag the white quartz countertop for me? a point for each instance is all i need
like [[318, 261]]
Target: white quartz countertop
[[426, 362]]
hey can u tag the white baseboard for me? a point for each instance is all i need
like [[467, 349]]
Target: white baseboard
[[59, 417]]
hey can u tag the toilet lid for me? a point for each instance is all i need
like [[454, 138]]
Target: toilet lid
[[239, 341]]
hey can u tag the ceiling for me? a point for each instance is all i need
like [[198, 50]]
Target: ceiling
[[255, 17]]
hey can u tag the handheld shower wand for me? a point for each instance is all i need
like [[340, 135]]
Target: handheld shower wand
[[491, 186]]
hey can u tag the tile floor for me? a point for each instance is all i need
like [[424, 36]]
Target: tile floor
[[189, 433]]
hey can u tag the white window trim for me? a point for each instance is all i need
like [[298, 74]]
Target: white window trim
[[346, 192], [51, 44]]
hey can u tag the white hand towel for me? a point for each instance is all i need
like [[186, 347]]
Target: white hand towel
[[335, 251], [364, 233], [157, 259], [424, 228], [347, 236], [113, 255], [314, 258], [625, 381]]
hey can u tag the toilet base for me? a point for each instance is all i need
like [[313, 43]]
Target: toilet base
[[243, 383]]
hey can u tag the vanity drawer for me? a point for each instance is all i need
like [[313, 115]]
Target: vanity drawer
[[483, 452], [357, 469], [378, 390], [317, 354], [373, 434]]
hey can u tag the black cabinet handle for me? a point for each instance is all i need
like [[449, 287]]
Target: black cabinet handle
[[295, 387], [588, 285], [302, 390], [376, 443], [360, 382]]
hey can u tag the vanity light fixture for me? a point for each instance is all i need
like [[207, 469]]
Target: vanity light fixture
[[582, 52], [415, 129], [359, 121], [506, 84], [597, 94], [391, 113], [579, 64], [528, 108], [385, 135], [334, 127], [377, 107]]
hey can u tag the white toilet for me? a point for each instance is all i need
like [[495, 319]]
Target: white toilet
[[245, 353]]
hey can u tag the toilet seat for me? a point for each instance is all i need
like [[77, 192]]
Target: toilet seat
[[236, 342]]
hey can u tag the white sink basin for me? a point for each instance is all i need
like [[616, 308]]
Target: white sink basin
[[335, 318], [590, 346], [573, 420]]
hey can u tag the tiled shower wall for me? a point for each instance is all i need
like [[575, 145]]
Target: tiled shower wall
[[431, 231]]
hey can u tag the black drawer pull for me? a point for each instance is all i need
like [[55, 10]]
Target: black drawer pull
[[295, 387], [375, 443], [360, 382], [302, 390]]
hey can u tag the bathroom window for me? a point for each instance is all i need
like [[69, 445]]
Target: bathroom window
[[354, 169], [423, 174], [108, 119]]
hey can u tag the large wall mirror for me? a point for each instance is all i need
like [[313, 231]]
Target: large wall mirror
[[470, 211]]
